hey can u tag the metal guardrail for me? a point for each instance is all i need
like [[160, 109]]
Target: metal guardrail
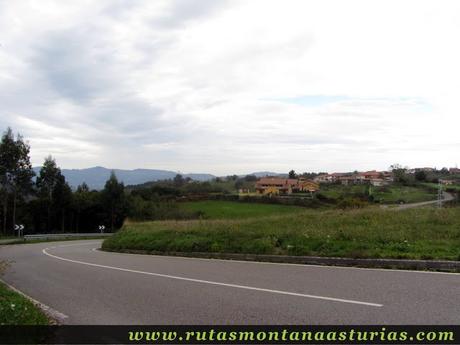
[[60, 236]]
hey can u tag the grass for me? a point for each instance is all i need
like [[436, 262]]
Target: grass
[[2, 237], [371, 232], [435, 186], [18, 310], [395, 194], [212, 209], [390, 194]]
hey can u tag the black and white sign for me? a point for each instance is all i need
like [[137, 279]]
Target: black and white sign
[[19, 228]]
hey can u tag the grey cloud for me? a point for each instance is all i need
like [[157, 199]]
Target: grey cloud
[[66, 62], [183, 11]]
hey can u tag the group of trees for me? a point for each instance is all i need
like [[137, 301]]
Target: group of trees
[[401, 175], [46, 203]]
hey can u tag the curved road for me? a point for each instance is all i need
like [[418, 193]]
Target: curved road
[[445, 198], [89, 286]]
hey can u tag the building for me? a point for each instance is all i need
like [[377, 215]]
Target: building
[[376, 178], [277, 185]]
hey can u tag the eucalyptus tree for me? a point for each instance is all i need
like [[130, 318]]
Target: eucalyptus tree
[[49, 178], [15, 172]]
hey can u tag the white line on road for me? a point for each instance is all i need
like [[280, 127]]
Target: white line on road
[[215, 283]]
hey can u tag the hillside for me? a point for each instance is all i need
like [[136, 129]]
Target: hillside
[[96, 177]]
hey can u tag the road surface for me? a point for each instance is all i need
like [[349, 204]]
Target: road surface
[[445, 197], [89, 286]]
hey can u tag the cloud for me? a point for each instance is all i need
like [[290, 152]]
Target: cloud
[[232, 86]]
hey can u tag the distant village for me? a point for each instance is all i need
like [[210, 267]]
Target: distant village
[[271, 185]]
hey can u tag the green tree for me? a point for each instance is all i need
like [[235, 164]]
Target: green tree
[[48, 179], [113, 196], [62, 199], [15, 172], [82, 200], [7, 166], [179, 180], [399, 173], [292, 174], [420, 175]]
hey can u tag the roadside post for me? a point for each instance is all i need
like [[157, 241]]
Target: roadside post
[[20, 229]]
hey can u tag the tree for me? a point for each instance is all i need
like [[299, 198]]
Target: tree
[[48, 179], [81, 202], [292, 174], [250, 178], [23, 173], [420, 175], [179, 180], [399, 173], [15, 172], [62, 198], [113, 196], [7, 166]]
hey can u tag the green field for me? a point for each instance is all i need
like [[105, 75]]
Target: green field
[[17, 310], [384, 194], [230, 210], [395, 194], [435, 186], [370, 232]]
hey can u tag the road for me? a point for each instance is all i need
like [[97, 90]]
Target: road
[[445, 197], [94, 287]]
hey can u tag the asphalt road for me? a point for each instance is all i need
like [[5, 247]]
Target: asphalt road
[[446, 197], [93, 287]]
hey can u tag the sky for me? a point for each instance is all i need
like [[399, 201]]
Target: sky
[[233, 86]]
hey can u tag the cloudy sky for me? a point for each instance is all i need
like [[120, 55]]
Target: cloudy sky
[[233, 86]]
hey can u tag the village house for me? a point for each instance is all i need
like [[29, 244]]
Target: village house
[[375, 178], [277, 185]]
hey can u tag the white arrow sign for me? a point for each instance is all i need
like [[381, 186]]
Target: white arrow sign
[[19, 228]]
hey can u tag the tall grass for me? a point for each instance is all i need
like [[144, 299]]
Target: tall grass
[[415, 233]]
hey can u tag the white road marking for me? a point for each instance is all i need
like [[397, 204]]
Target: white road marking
[[57, 315], [280, 263], [215, 283]]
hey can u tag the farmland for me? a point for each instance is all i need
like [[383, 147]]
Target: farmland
[[371, 232], [232, 210]]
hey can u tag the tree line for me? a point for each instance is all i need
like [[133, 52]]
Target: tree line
[[46, 202]]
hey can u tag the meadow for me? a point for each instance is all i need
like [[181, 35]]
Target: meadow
[[211, 209], [425, 233], [390, 194]]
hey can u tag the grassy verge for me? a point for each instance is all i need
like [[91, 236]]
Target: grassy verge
[[212, 209], [18, 310], [16, 240], [371, 232]]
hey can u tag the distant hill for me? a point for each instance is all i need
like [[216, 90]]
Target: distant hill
[[266, 173], [96, 177]]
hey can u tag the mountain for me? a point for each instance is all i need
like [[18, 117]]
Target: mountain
[[96, 177], [267, 173]]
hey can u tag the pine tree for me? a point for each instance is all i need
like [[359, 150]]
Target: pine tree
[[113, 196]]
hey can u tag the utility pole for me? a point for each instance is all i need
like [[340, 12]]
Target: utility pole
[[440, 195]]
